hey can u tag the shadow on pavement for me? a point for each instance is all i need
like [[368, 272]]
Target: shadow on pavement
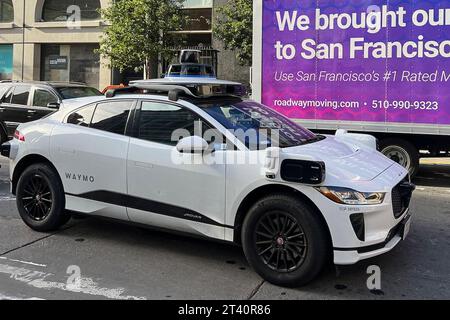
[[433, 175]]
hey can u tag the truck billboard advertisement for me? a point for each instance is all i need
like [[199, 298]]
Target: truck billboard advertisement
[[357, 60]]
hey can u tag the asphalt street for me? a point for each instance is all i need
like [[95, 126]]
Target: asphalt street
[[118, 261]]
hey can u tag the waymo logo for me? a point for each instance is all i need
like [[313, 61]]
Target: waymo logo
[[80, 177]]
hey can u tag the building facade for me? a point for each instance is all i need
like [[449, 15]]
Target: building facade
[[54, 40]]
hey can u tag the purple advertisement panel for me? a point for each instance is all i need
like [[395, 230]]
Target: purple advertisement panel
[[358, 60]]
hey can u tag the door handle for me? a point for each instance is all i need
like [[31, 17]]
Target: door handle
[[66, 150], [31, 114], [2, 109], [143, 165]]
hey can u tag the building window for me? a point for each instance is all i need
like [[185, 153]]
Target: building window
[[61, 10], [198, 3], [194, 40], [71, 62], [198, 19], [6, 61], [6, 11]]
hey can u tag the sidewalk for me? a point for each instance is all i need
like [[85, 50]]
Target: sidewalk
[[432, 161]]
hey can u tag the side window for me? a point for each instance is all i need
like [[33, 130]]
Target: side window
[[82, 117], [20, 95], [158, 122], [42, 98], [112, 116], [7, 96], [3, 90]]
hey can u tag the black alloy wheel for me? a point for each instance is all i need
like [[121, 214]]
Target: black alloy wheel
[[281, 242], [37, 197], [41, 199], [285, 240]]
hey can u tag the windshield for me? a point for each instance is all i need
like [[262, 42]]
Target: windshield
[[257, 126], [77, 92]]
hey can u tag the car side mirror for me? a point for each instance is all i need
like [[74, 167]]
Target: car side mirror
[[53, 105], [192, 144]]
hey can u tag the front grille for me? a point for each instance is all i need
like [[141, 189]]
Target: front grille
[[401, 197]]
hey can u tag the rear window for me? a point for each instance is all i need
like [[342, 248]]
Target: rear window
[[112, 116], [82, 117], [3, 90], [193, 70], [175, 70], [7, 96], [209, 71], [20, 95], [77, 92]]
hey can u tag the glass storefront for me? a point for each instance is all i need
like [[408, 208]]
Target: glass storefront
[[71, 62], [6, 61]]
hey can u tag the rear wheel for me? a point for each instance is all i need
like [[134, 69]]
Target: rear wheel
[[40, 198], [284, 241], [402, 152], [3, 134]]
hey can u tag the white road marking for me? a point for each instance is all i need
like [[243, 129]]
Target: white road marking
[[25, 262], [88, 286], [6, 197], [5, 297]]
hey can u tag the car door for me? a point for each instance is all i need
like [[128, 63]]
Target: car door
[[41, 98], [163, 191], [15, 106], [90, 153], [5, 101], [20, 103]]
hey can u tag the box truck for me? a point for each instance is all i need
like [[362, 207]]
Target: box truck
[[370, 66]]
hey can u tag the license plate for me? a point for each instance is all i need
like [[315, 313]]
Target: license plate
[[406, 227]]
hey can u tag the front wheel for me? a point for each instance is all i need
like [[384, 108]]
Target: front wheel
[[40, 198], [285, 241]]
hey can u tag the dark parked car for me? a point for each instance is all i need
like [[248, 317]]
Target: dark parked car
[[28, 101]]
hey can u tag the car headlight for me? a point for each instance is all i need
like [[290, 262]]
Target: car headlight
[[352, 197]]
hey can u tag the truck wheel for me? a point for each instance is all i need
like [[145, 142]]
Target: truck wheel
[[40, 198], [402, 152], [284, 241]]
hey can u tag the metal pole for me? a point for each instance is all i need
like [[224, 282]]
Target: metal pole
[[23, 40]]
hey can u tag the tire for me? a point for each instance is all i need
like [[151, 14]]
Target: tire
[[3, 135], [301, 257], [40, 198], [402, 152]]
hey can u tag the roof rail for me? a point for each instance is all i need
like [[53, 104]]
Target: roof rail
[[173, 91], [42, 82], [66, 82], [198, 88]]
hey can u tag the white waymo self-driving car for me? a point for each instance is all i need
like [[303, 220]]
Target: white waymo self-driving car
[[194, 156]]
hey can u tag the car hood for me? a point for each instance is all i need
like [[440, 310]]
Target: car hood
[[343, 160]]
